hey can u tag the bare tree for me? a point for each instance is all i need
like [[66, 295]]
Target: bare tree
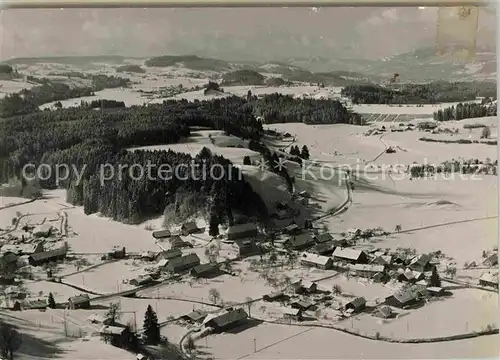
[[249, 304], [113, 314], [10, 340], [190, 345], [336, 290], [398, 228], [214, 295]]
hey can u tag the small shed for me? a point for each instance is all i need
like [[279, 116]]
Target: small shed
[[228, 320], [242, 231], [356, 305], [275, 296], [79, 302], [117, 252], [195, 316], [205, 271], [292, 314], [189, 228], [162, 234], [116, 335], [384, 312]]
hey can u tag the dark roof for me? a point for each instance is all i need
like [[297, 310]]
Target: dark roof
[[46, 255], [196, 315], [79, 299], [325, 246], [204, 268], [274, 295], [229, 318], [301, 304], [184, 260], [421, 260], [301, 240], [178, 242], [358, 302], [404, 296], [190, 226], [169, 254], [385, 311], [321, 238], [242, 228], [161, 234], [291, 227]]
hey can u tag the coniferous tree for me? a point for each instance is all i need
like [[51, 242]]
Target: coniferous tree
[[435, 280], [246, 160], [51, 301], [304, 154], [151, 327], [213, 225]]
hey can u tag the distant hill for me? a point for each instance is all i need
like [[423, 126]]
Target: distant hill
[[243, 77], [334, 78], [130, 68], [69, 60], [192, 62]]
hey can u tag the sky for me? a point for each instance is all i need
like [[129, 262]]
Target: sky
[[227, 33]]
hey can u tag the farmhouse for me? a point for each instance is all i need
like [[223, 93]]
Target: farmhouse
[[489, 279], [318, 261], [401, 300], [490, 261], [321, 238], [436, 291], [421, 263], [205, 271], [177, 243], [196, 316], [141, 280], [301, 305], [350, 255], [409, 276], [301, 241], [29, 304], [47, 256], [162, 234], [227, 321], [247, 248], [325, 248], [291, 229], [385, 260], [356, 305], [292, 314], [168, 254], [43, 230], [183, 263], [117, 336], [368, 270], [79, 302], [23, 249], [276, 296], [383, 312], [242, 231], [190, 228]]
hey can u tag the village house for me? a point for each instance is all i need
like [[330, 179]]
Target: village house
[[489, 279], [325, 248], [275, 296], [291, 229], [116, 335], [318, 261], [79, 302], [401, 299], [29, 304], [367, 270], [43, 230], [118, 252], [23, 249], [247, 248], [242, 231], [292, 314], [168, 254], [205, 271], [300, 241], [195, 316], [381, 277], [436, 291], [491, 260], [384, 312], [356, 305], [322, 238], [385, 260], [409, 276], [190, 228], [227, 321], [141, 280], [400, 260], [350, 255], [421, 263], [162, 234], [301, 305], [148, 255], [176, 242], [40, 258], [183, 263]]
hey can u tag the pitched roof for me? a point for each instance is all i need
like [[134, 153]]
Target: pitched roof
[[46, 255], [196, 315], [324, 237], [160, 234], [301, 239], [492, 259], [368, 267], [351, 254], [184, 260], [229, 317], [79, 299], [421, 260], [191, 225], [169, 254], [111, 330], [315, 259], [404, 296], [357, 302], [489, 277], [204, 268], [290, 311], [241, 228], [384, 310]]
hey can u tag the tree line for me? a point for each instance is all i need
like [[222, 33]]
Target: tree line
[[466, 111], [432, 93]]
